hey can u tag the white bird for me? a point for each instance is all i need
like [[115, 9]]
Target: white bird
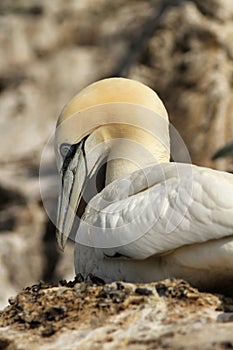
[[135, 216]]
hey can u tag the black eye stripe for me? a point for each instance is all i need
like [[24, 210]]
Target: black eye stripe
[[67, 158], [71, 150]]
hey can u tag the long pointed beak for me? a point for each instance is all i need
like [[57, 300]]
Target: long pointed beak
[[73, 173]]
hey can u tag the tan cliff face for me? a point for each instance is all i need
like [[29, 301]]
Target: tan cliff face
[[183, 51], [189, 62], [50, 52]]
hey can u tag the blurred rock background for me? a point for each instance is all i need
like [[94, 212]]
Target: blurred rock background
[[49, 51]]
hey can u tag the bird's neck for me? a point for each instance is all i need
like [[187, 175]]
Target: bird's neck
[[130, 148], [117, 168], [126, 157]]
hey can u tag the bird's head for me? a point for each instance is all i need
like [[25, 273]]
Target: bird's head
[[108, 130]]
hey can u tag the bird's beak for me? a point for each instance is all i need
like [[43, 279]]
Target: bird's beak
[[82, 177], [73, 175]]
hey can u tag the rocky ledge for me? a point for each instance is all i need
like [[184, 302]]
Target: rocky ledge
[[93, 315]]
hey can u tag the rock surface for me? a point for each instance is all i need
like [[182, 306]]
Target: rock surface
[[80, 315], [49, 51], [189, 61]]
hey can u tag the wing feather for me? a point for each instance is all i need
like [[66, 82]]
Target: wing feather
[[158, 209]]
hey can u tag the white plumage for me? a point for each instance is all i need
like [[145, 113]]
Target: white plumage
[[150, 220], [188, 228]]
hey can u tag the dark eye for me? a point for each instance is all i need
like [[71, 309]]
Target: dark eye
[[65, 150]]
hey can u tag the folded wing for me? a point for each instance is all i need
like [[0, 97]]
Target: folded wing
[[158, 209]]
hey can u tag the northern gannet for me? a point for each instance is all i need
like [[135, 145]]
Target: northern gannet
[[134, 215]]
